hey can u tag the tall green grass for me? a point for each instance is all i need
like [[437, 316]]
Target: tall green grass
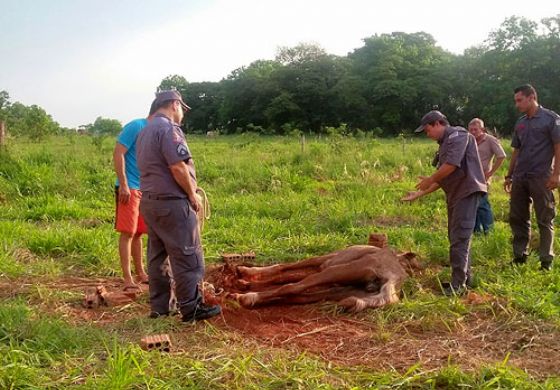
[[269, 195]]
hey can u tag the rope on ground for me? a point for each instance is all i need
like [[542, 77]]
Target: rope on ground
[[204, 214]]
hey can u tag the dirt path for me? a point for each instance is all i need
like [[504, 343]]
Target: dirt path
[[477, 339]]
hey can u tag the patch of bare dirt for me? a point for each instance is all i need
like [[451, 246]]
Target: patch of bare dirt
[[477, 339]]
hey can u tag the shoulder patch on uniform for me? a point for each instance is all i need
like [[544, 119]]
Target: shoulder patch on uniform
[[182, 150]]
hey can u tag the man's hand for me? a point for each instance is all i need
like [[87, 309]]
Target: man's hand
[[487, 175], [411, 196], [553, 182], [124, 194], [507, 185], [195, 204], [424, 183]]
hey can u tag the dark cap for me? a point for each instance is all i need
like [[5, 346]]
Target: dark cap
[[430, 117], [165, 96], [153, 108]]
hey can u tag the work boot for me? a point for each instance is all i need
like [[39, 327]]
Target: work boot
[[449, 290], [202, 312], [519, 260], [155, 314], [546, 265], [470, 282]]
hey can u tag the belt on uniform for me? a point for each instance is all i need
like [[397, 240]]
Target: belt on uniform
[[163, 197]]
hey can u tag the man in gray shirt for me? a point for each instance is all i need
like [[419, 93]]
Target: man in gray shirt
[[531, 177], [492, 155], [461, 177], [169, 206]]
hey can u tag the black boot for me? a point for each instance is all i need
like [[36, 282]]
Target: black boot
[[202, 312], [519, 260]]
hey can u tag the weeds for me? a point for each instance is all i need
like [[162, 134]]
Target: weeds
[[269, 195]]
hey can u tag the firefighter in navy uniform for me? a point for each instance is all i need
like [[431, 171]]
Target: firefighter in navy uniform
[[461, 177], [169, 206], [532, 177]]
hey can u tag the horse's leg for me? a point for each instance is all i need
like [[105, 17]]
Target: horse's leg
[[272, 270], [333, 294], [342, 274], [291, 276]]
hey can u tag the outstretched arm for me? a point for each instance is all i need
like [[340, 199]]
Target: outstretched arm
[[443, 171], [413, 195]]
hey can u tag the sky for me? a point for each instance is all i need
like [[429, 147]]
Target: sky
[[82, 59]]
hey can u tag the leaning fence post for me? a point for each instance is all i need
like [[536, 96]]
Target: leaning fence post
[[2, 133]]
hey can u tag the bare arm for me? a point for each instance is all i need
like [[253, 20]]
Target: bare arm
[[497, 164], [413, 195], [118, 161], [181, 175], [554, 179]]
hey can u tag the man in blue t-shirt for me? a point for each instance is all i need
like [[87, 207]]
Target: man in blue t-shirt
[[128, 221]]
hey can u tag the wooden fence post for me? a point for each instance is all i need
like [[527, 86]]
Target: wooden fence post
[[2, 133]]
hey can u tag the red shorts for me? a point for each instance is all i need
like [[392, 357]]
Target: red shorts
[[128, 218]]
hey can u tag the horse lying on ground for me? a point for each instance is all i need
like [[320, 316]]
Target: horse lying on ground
[[357, 278]]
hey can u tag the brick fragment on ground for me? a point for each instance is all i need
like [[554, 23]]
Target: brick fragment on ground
[[238, 256], [379, 240], [117, 298], [92, 299], [98, 296], [158, 342]]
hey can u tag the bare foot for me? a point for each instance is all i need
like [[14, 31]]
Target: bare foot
[[142, 278], [132, 288]]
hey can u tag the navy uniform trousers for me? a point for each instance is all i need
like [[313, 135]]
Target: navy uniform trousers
[[173, 232], [460, 225], [523, 193]]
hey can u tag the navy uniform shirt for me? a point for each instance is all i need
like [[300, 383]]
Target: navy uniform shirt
[[534, 138], [159, 145], [457, 147]]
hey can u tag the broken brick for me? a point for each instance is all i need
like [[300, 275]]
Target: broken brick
[[159, 342]]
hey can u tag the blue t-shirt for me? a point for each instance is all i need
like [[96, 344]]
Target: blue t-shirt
[[127, 138]]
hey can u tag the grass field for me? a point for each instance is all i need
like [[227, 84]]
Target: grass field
[[285, 202]]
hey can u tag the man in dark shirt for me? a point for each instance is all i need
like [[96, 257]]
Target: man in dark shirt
[[531, 177], [461, 177], [169, 206]]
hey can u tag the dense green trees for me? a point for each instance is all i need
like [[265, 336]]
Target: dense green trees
[[387, 84], [21, 120], [104, 126], [34, 122], [384, 86]]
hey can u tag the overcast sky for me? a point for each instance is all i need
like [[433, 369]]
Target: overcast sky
[[82, 59]]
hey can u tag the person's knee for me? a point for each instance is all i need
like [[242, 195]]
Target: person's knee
[[126, 236]]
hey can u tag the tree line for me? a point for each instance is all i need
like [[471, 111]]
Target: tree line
[[383, 87], [33, 121]]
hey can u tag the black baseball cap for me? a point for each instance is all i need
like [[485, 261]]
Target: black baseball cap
[[430, 117]]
